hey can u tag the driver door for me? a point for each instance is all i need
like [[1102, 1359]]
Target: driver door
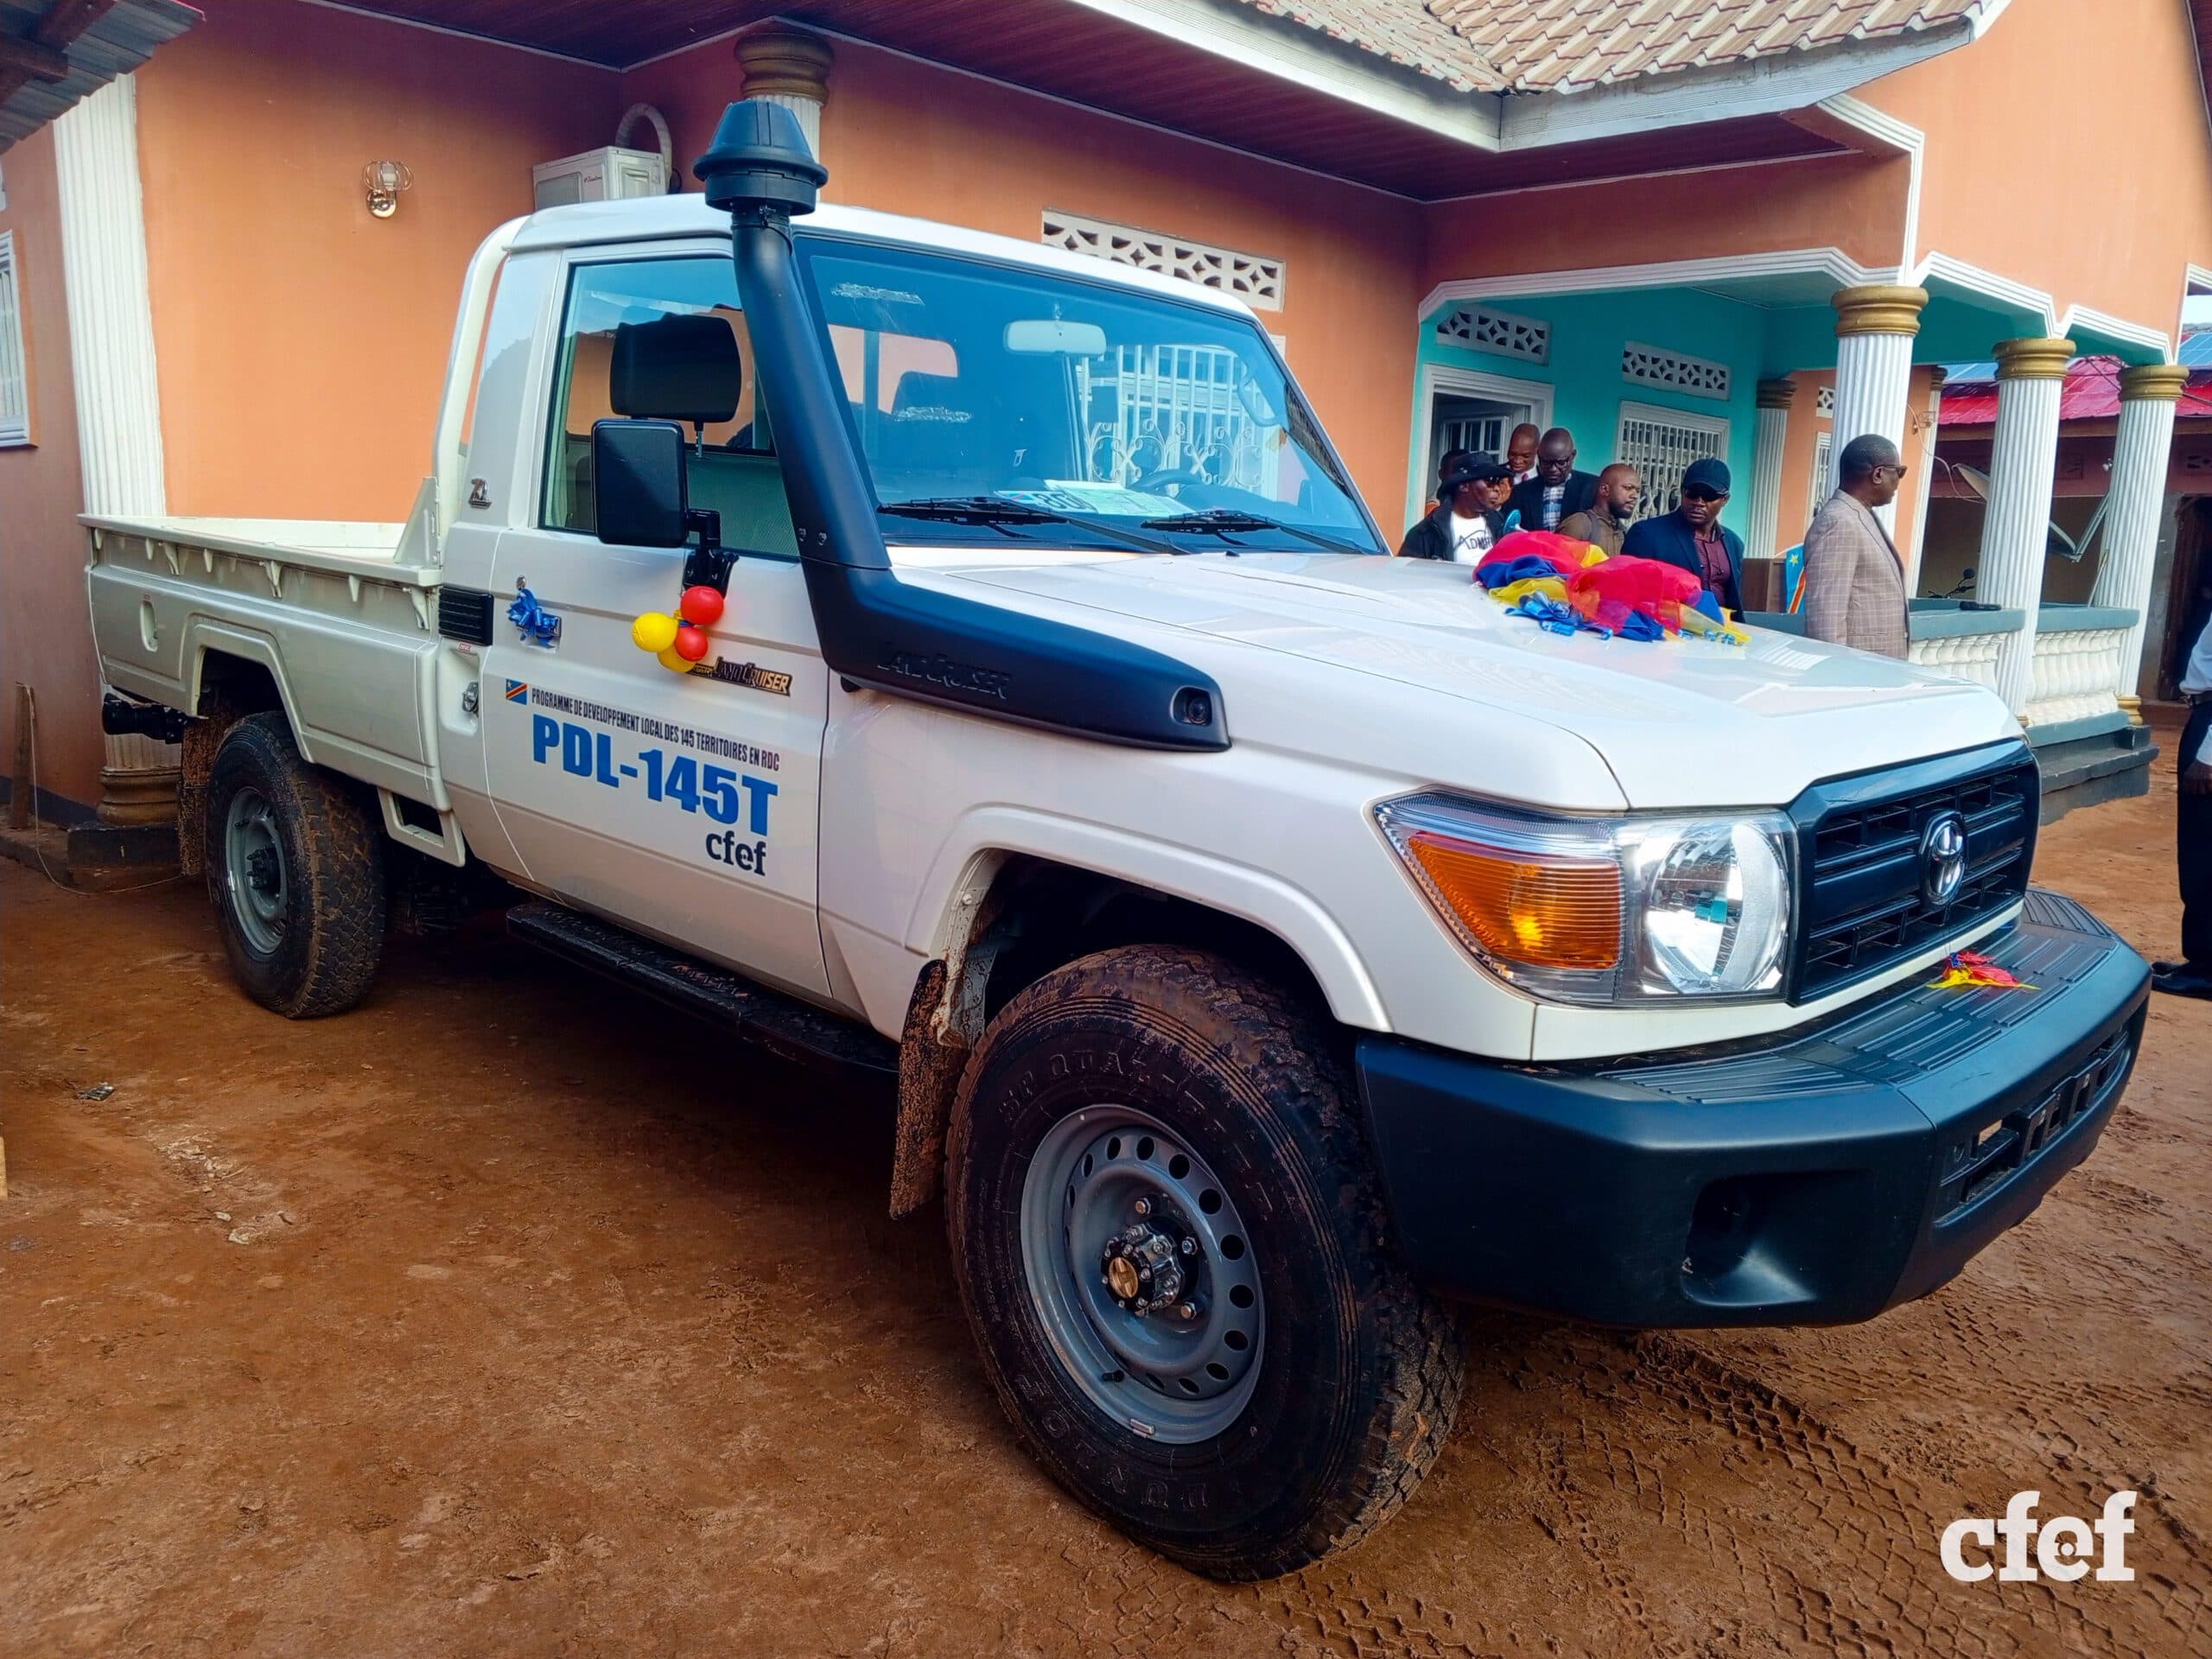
[[683, 805]]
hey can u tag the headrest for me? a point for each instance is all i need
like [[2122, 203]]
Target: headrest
[[677, 368]]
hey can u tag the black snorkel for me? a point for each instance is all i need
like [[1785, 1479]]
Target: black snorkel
[[877, 630]]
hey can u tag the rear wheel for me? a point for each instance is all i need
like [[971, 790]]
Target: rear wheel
[[295, 873], [1172, 1246]]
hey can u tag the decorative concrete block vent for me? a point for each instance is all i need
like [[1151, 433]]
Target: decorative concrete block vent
[[1254, 279], [1500, 332], [1654, 365]]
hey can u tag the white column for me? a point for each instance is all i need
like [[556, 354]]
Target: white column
[[2137, 494], [790, 66], [2030, 374], [111, 358], [1764, 540], [1875, 327]]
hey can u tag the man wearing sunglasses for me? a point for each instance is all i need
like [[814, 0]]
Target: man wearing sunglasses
[[1693, 538], [1854, 579]]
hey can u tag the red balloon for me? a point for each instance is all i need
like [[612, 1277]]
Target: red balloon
[[701, 605], [690, 643]]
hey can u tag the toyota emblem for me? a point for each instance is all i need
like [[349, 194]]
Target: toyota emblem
[[1943, 858]]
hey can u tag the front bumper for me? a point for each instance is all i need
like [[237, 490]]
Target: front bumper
[[1818, 1178]]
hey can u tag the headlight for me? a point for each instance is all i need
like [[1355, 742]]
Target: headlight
[[1605, 911]]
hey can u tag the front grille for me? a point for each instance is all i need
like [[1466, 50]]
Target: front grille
[[1862, 907], [1983, 1159]]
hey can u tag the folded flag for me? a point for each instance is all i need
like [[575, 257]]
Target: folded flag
[[1971, 970]]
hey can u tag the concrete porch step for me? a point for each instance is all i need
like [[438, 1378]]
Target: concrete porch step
[[2088, 762]]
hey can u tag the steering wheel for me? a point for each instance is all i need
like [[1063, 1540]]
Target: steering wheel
[[1168, 475]]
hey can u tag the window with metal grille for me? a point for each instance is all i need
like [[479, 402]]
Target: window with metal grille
[[1660, 443], [1655, 365], [1170, 408], [15, 374], [1501, 332], [1253, 278]]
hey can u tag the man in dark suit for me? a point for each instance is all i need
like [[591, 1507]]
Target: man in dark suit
[[1557, 492], [1693, 538]]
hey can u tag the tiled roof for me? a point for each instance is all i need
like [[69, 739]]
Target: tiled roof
[[1543, 46], [1404, 31]]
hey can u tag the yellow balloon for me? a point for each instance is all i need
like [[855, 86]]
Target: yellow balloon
[[654, 631], [670, 659]]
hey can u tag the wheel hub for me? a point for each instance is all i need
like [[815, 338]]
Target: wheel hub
[[1141, 1271], [261, 869]]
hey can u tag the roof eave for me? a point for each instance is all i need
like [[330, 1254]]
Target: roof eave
[[1777, 86]]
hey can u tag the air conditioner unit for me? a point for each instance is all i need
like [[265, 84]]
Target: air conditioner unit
[[607, 174]]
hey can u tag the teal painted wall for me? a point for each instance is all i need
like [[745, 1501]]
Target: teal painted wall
[[1588, 333]]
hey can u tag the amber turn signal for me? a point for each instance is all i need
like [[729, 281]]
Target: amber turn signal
[[1526, 907]]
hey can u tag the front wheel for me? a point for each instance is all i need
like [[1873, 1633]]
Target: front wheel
[[1172, 1245]]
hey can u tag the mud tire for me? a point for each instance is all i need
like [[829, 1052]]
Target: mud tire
[[1360, 1370], [332, 915]]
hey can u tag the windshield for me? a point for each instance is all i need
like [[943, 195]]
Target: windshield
[[969, 384]]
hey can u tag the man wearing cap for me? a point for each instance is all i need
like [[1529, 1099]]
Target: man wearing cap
[[1464, 526], [1693, 538]]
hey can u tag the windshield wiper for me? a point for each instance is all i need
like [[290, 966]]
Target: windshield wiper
[[995, 511], [1225, 521]]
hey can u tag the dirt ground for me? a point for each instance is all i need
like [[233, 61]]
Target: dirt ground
[[510, 1314]]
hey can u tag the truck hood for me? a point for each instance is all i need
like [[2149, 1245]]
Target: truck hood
[[1680, 722]]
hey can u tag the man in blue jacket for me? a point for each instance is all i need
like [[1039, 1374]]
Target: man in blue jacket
[[1692, 537]]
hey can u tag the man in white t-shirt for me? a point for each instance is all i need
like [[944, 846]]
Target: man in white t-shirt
[[1462, 526]]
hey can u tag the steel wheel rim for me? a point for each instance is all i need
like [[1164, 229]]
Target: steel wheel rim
[[1173, 1379], [255, 876]]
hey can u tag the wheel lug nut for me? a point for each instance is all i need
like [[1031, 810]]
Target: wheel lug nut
[[1144, 1206], [1190, 1247], [1187, 1312]]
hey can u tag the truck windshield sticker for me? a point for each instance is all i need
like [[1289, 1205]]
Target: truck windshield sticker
[[735, 795], [1071, 495]]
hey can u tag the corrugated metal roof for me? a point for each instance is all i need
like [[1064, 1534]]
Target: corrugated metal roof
[[120, 40], [2091, 392]]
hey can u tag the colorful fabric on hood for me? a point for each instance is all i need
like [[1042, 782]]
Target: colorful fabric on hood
[[1564, 554], [1494, 573], [1555, 616]]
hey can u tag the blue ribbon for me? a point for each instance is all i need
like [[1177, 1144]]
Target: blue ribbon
[[539, 626], [1552, 617]]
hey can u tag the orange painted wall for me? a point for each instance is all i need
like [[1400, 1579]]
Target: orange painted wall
[[1801, 438], [2067, 149], [45, 641], [907, 137], [1853, 202], [302, 343]]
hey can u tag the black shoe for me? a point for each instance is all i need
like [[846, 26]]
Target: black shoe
[[2163, 966], [2186, 980]]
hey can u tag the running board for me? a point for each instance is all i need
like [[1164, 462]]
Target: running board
[[785, 1027]]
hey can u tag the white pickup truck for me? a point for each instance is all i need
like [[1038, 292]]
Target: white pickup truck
[[1269, 940]]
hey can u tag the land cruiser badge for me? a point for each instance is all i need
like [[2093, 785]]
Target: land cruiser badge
[[751, 675]]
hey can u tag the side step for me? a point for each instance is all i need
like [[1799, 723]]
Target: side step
[[785, 1027]]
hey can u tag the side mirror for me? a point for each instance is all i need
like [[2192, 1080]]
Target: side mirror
[[638, 483]]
